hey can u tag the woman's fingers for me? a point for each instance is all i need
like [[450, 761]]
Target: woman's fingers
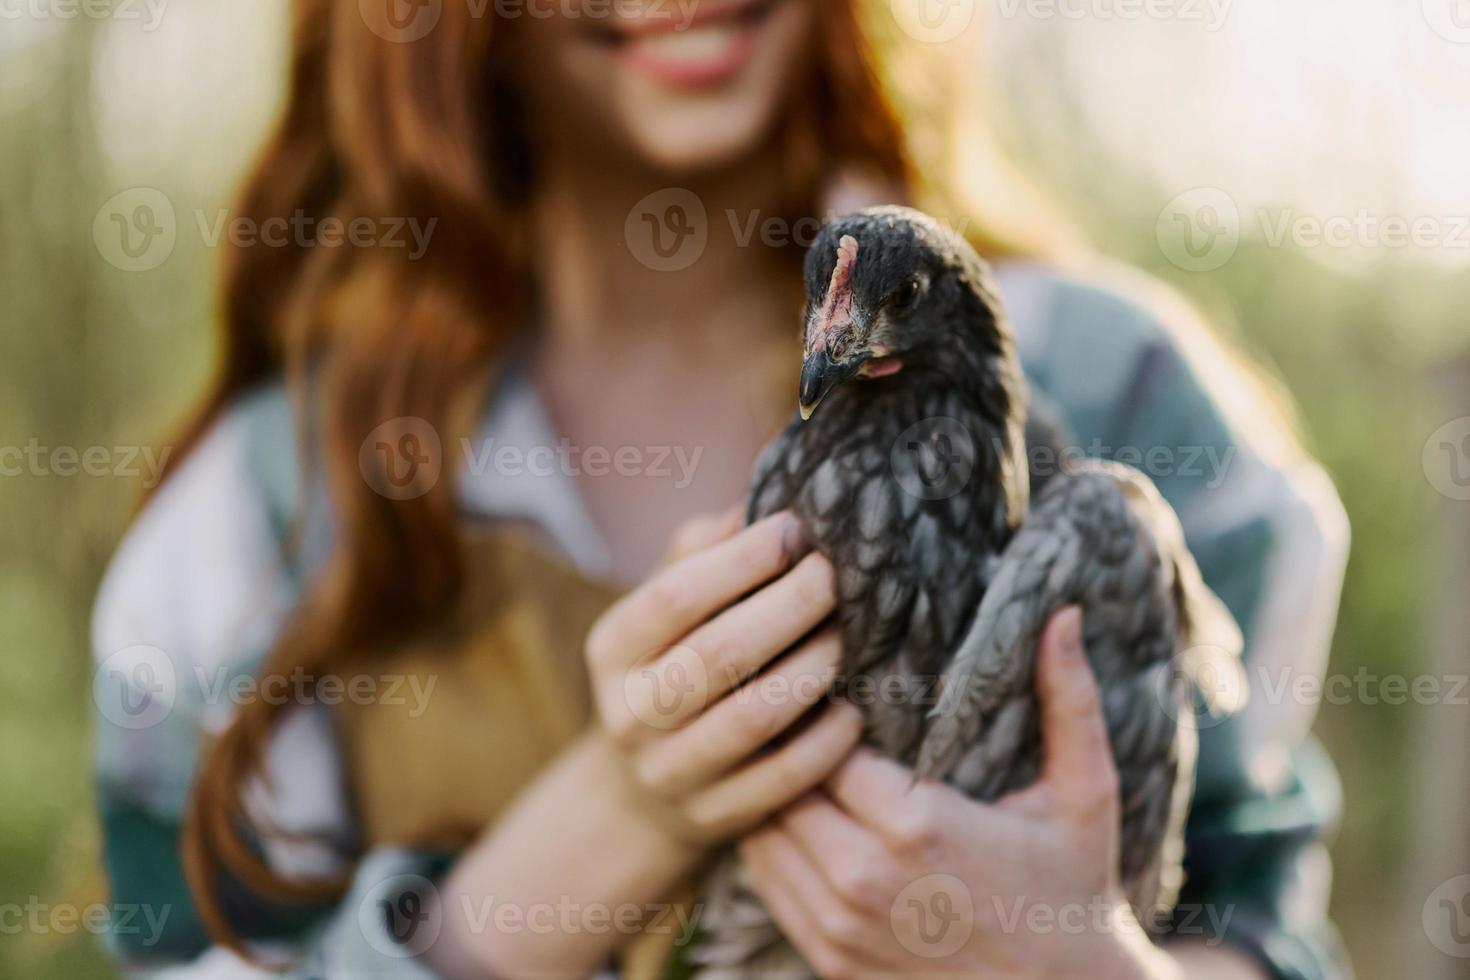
[[669, 692], [645, 679], [846, 930], [743, 721], [909, 815], [679, 597], [853, 860], [742, 639], [1078, 774], [884, 796], [770, 782], [869, 778], [760, 854], [705, 531], [1079, 757]]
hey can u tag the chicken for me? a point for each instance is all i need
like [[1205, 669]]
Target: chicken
[[908, 470]]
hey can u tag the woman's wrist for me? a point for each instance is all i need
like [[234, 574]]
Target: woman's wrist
[[639, 807], [581, 840]]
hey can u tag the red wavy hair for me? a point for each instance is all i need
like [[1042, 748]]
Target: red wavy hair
[[426, 130]]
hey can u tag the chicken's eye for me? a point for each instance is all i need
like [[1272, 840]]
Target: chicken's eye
[[903, 297]]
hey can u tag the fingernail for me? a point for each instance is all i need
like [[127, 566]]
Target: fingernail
[[849, 713], [1070, 631], [793, 538]]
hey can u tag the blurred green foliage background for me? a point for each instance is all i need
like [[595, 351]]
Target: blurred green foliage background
[[94, 356]]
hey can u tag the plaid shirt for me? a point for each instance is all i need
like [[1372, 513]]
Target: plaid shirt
[[203, 582]]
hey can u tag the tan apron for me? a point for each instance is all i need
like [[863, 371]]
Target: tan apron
[[510, 691]]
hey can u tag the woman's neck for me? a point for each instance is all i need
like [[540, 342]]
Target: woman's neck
[[675, 349], [626, 257]]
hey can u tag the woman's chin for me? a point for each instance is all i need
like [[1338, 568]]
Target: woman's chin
[[690, 114], [695, 141]]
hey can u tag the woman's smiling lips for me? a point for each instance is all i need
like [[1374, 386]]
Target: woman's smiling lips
[[687, 43]]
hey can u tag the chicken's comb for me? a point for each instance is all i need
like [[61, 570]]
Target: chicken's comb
[[847, 253]]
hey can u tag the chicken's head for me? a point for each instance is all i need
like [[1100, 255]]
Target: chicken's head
[[887, 290]]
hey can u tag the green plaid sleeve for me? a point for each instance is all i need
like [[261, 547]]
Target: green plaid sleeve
[[194, 596], [1139, 387]]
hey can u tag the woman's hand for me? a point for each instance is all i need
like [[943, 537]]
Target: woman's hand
[[612, 827], [875, 875], [667, 659]]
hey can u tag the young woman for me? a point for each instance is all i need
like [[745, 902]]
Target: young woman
[[367, 742]]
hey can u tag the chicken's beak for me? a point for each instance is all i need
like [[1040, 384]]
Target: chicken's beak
[[819, 375]]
